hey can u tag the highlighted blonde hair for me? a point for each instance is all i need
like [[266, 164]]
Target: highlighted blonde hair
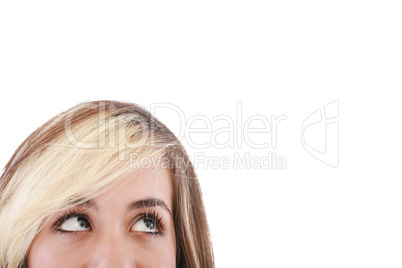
[[83, 152]]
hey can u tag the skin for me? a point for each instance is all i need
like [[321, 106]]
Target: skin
[[114, 236]]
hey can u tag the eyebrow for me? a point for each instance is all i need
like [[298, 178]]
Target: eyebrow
[[149, 202], [142, 203]]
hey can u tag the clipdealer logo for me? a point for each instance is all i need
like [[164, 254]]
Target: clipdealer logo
[[320, 134], [236, 140]]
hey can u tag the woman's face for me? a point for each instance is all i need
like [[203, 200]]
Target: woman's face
[[129, 227]]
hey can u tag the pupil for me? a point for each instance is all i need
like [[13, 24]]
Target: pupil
[[149, 224], [82, 222]]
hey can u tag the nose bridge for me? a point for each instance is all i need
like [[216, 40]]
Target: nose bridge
[[111, 249]]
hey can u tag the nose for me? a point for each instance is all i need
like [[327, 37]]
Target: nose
[[111, 250]]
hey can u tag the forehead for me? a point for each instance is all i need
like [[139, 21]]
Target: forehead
[[151, 182]]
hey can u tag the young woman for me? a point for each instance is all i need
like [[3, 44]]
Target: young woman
[[103, 184]]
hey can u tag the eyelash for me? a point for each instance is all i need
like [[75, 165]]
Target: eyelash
[[68, 215], [153, 215]]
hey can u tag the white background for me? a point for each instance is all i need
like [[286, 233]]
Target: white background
[[276, 57]]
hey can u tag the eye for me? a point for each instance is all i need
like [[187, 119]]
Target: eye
[[147, 224], [75, 224]]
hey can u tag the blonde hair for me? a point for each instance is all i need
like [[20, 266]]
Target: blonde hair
[[82, 153]]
